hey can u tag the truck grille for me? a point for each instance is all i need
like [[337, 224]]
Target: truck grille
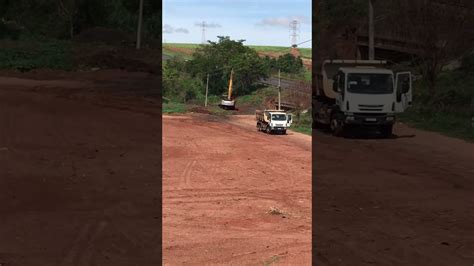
[[370, 107]]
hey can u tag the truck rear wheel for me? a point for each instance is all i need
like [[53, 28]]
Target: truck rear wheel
[[268, 130]]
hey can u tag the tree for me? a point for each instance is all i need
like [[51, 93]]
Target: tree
[[439, 31], [289, 64], [336, 19], [218, 58], [178, 85], [67, 9]]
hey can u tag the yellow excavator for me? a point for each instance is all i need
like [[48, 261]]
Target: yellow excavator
[[227, 101]]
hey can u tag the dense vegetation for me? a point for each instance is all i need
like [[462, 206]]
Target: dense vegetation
[[70, 34], [185, 80], [169, 47], [451, 108], [65, 18]]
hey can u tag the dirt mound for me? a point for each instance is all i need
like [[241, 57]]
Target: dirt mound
[[270, 54], [144, 60], [104, 35], [295, 52], [180, 50], [199, 109], [111, 59]]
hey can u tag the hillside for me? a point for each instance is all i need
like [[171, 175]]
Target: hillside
[[186, 49]]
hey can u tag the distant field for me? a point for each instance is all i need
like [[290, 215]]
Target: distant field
[[186, 49], [305, 52]]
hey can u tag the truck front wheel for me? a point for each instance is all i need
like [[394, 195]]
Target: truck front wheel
[[337, 127], [268, 130], [386, 131]]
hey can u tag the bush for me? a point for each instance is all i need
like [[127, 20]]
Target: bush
[[450, 109], [9, 30], [179, 86], [26, 55], [290, 64]]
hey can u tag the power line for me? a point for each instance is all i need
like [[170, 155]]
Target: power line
[[304, 42]]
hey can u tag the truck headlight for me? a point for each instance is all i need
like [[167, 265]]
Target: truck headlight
[[390, 118], [350, 118]]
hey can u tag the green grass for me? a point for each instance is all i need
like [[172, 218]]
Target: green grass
[[216, 110], [452, 125], [175, 54], [29, 54], [448, 110], [173, 108], [303, 124], [305, 75], [305, 52], [181, 45], [258, 97]]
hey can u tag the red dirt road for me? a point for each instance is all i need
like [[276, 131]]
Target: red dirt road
[[219, 181], [404, 201], [79, 173]]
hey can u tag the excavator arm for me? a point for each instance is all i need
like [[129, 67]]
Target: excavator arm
[[229, 95]]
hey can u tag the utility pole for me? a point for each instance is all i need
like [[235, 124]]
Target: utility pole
[[139, 30], [279, 90], [371, 31], [207, 89]]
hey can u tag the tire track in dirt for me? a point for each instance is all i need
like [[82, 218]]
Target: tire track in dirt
[[83, 247], [69, 160], [385, 201], [237, 177]]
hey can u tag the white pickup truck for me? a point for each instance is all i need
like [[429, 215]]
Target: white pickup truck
[[273, 121]]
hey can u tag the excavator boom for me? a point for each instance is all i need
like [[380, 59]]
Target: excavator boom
[[229, 95]]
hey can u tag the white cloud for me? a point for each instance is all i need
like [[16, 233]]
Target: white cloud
[[283, 21], [169, 29], [208, 25], [181, 30]]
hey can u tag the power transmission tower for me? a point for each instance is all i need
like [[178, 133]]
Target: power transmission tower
[[203, 26], [294, 32]]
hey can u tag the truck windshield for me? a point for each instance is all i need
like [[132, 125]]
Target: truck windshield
[[370, 83], [279, 117]]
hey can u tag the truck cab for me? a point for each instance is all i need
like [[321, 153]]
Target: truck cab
[[363, 95], [272, 121]]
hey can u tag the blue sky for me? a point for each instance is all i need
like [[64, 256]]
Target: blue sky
[[259, 22]]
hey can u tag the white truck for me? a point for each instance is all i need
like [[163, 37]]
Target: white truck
[[271, 121], [360, 93]]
